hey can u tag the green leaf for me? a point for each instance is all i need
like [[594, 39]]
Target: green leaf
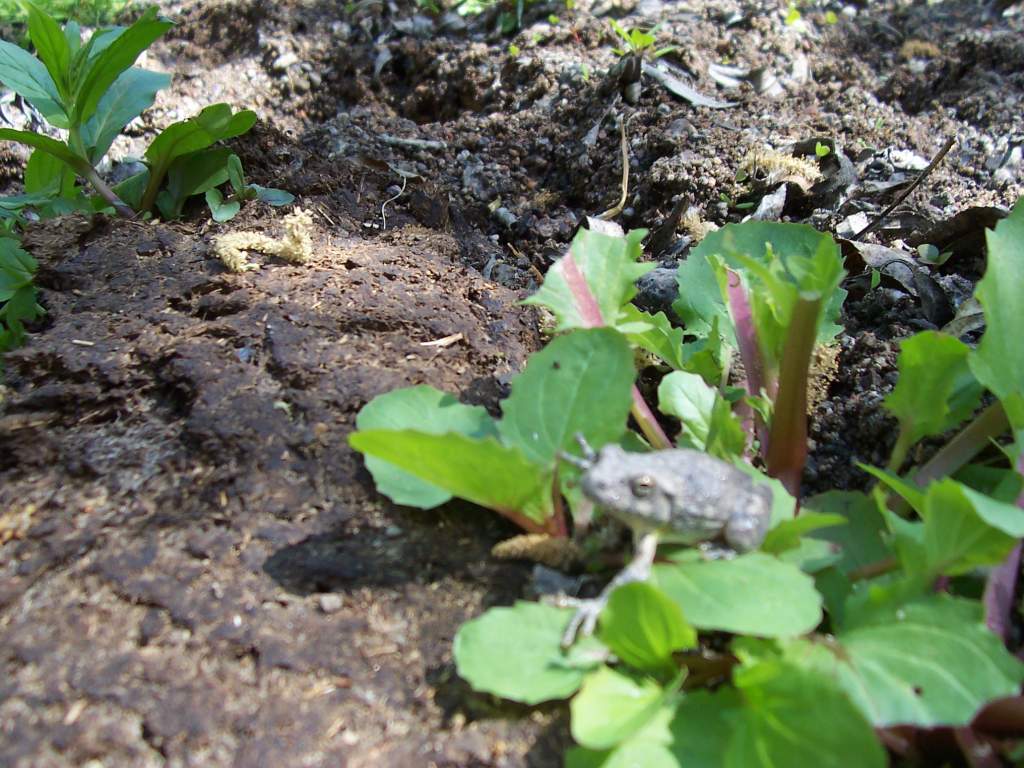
[[192, 175], [612, 706], [927, 663], [643, 627], [101, 71], [998, 362], [51, 146], [427, 410], [26, 75], [127, 98], [753, 594], [51, 45], [936, 389], [235, 174], [964, 529], [516, 653], [700, 304], [580, 383], [272, 196], [44, 173], [706, 417], [478, 470], [653, 333], [909, 492], [792, 716], [17, 267], [786, 535], [703, 725], [220, 210], [609, 266], [861, 541], [214, 123], [631, 754]]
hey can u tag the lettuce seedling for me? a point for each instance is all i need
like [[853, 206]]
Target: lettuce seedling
[[797, 653], [224, 209], [92, 91]]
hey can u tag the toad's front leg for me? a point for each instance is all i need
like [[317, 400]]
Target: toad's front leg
[[584, 621]]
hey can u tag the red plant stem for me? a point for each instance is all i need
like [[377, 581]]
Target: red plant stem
[[590, 313], [787, 443], [750, 354], [1000, 587]]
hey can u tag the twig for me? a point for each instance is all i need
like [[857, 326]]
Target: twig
[[398, 141], [909, 190], [611, 213]]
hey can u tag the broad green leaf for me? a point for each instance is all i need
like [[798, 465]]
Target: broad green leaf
[[931, 662], [44, 173], [936, 389], [861, 540], [612, 706], [516, 653], [793, 716], [653, 333], [272, 196], [17, 267], [21, 306], [643, 627], [703, 725], [50, 44], [51, 146], [687, 397], [579, 383], [753, 594], [220, 210], [700, 304], [610, 268], [707, 420], [786, 535], [998, 362], [119, 55], [634, 753], [214, 123], [127, 98], [26, 75], [478, 470], [778, 263], [192, 174], [964, 529], [427, 410]]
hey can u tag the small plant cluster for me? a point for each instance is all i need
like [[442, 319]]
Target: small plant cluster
[[860, 615], [92, 92]]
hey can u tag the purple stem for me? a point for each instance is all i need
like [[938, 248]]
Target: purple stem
[[999, 592], [590, 312], [750, 354]]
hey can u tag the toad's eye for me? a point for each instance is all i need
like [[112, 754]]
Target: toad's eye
[[642, 486]]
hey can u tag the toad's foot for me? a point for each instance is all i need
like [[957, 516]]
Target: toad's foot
[[584, 621]]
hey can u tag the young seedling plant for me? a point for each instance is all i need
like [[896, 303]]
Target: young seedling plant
[[91, 92], [856, 623]]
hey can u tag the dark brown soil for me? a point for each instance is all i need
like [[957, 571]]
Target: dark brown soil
[[194, 568]]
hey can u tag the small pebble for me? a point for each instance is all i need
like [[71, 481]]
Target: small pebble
[[331, 603]]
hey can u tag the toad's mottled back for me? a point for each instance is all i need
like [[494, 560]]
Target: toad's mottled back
[[683, 495]]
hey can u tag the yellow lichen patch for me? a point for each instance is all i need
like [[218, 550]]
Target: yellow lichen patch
[[540, 548], [693, 225], [766, 166], [823, 370], [296, 245], [919, 49]]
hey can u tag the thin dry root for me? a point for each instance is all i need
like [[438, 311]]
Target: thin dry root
[[540, 548], [296, 245]]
